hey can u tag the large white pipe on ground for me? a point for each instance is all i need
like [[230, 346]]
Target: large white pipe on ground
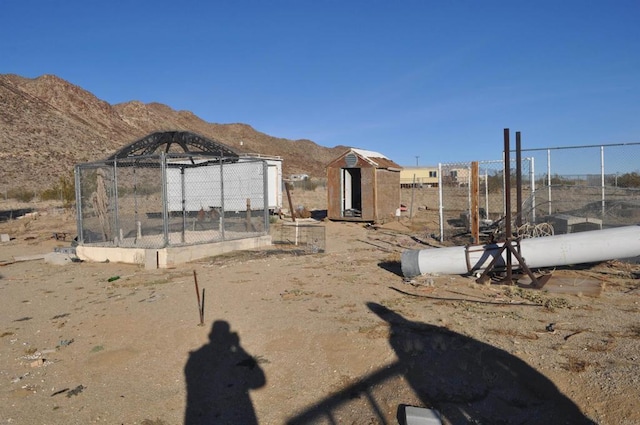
[[550, 251]]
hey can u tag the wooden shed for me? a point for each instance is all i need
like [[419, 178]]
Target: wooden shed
[[362, 186]]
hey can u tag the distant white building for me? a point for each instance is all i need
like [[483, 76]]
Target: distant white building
[[298, 177]]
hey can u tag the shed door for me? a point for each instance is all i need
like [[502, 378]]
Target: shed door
[[351, 192]]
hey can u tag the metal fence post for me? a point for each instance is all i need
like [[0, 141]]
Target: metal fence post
[[602, 178], [183, 201], [76, 172], [441, 207], [265, 194], [549, 178], [221, 199], [532, 182], [165, 199], [115, 203]]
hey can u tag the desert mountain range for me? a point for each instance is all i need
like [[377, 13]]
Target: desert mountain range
[[47, 125]]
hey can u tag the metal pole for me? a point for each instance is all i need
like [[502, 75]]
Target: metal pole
[[549, 177], [518, 181], [440, 206], [184, 203], [532, 181], [486, 191], [221, 200], [78, 203], [507, 201], [602, 179], [115, 202], [265, 182], [165, 199]]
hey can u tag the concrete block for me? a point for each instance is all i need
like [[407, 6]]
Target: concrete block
[[150, 259], [421, 416], [58, 258], [4, 237]]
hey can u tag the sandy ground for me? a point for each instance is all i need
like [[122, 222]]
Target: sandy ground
[[332, 338]]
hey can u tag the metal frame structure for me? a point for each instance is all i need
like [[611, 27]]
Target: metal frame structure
[[145, 194], [187, 141]]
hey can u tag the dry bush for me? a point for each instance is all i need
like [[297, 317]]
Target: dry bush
[[574, 364]]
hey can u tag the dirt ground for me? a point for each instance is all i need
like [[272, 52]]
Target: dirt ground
[[332, 338]]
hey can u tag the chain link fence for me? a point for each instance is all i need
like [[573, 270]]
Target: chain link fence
[[455, 193], [300, 238], [586, 187], [572, 189], [171, 200]]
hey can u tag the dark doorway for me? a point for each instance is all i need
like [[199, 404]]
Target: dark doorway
[[351, 192]]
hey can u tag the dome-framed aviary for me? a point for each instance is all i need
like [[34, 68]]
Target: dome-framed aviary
[[174, 141]]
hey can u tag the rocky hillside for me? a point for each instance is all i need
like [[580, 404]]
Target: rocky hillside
[[48, 125]]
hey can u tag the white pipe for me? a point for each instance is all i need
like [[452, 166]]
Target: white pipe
[[549, 251]]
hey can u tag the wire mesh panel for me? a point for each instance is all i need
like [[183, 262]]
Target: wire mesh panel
[[95, 192], [586, 187], [211, 201], [456, 196], [139, 202], [302, 238]]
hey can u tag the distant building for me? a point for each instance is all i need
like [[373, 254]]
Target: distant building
[[420, 176], [298, 177]]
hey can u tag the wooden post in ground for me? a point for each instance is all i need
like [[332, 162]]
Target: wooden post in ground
[[474, 214], [293, 213]]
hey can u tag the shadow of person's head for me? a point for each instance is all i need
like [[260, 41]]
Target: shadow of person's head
[[221, 334]]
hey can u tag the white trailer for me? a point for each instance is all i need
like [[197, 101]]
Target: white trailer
[[241, 182]]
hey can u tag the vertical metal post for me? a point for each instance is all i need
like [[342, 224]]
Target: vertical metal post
[[115, 203], [265, 185], [165, 199], [518, 181], [549, 178], [440, 206], [76, 172], [602, 180], [221, 199], [532, 182], [486, 191], [135, 205], [507, 201], [183, 200]]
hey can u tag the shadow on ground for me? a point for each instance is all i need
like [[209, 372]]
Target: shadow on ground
[[466, 380], [219, 376]]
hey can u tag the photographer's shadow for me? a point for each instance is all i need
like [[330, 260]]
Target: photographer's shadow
[[219, 376]]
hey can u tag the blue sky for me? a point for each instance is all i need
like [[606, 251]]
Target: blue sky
[[434, 79]]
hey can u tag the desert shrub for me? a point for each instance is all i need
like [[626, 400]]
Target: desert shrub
[[21, 194], [629, 180], [63, 190]]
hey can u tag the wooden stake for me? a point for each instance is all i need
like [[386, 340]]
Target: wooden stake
[[200, 305]]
